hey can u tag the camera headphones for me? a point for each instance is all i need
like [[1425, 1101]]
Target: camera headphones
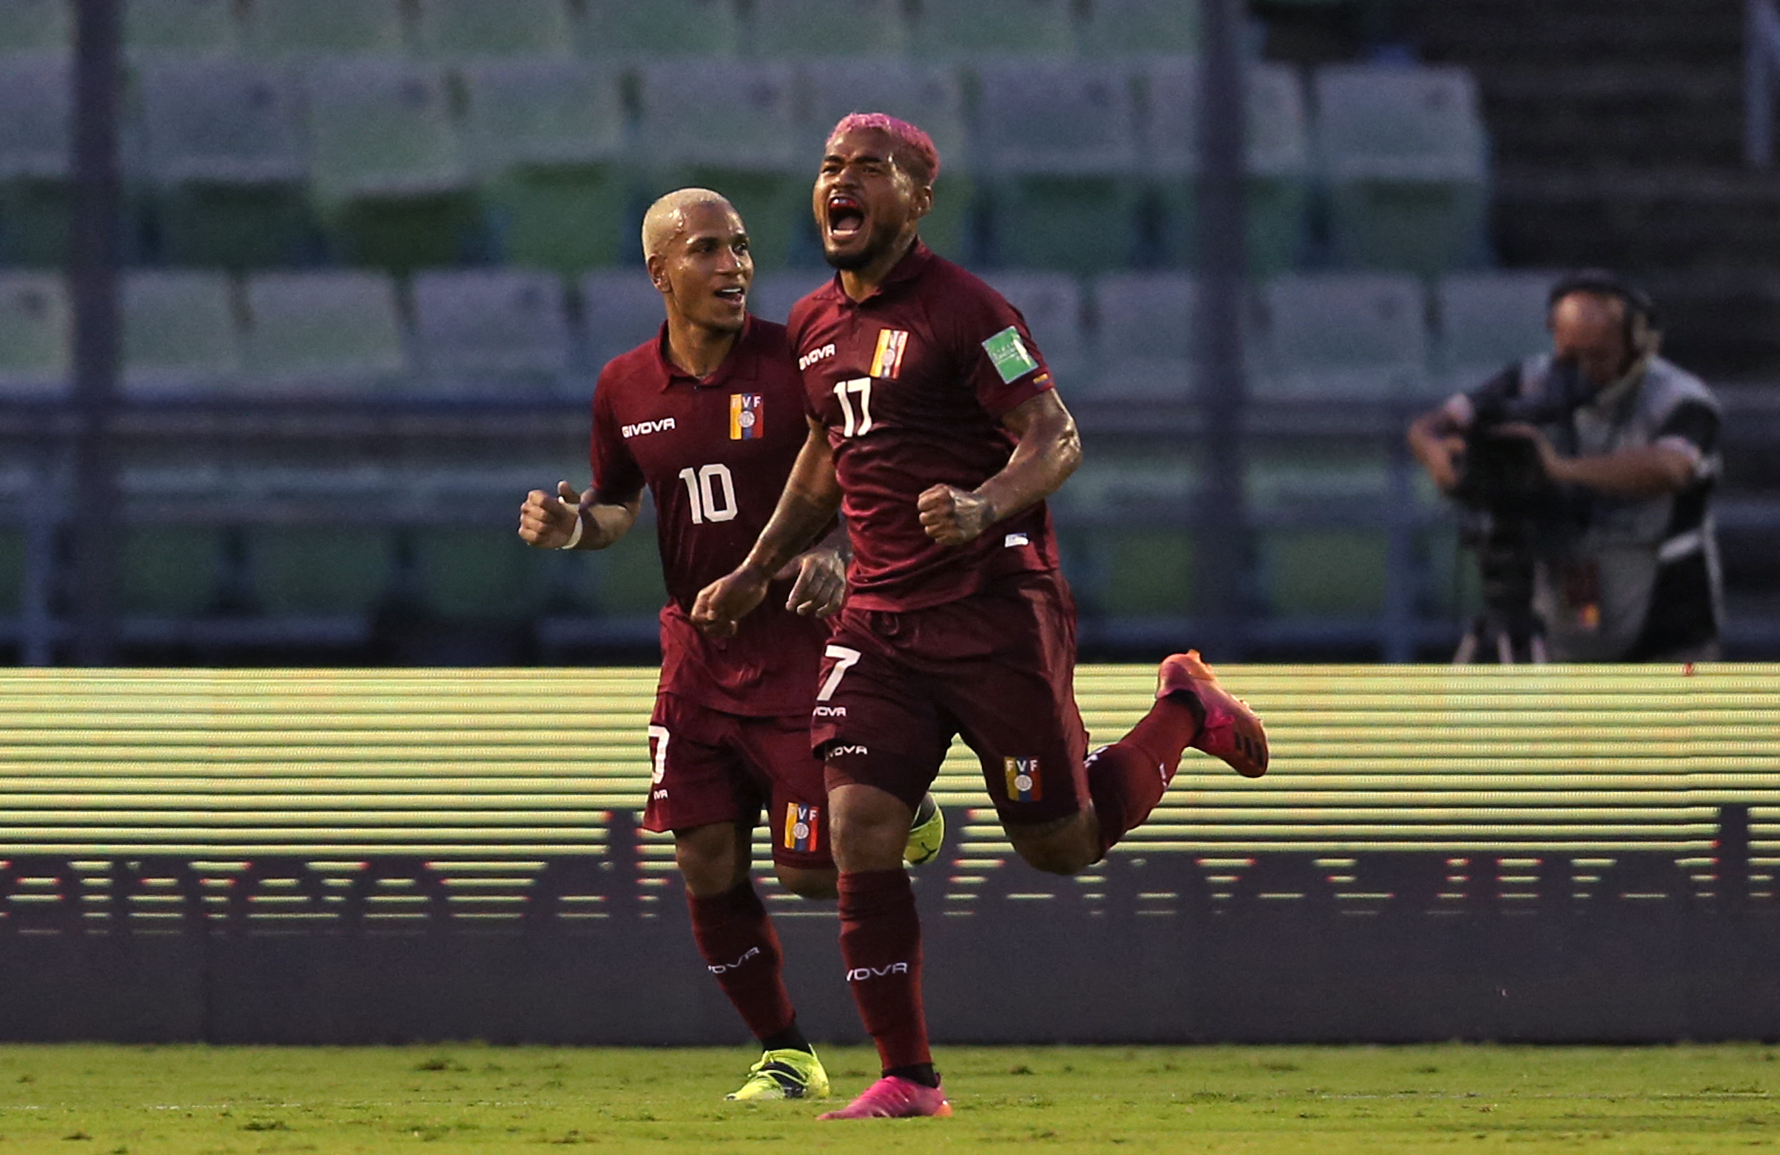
[[1641, 328]]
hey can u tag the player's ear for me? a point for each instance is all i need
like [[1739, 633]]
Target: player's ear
[[923, 200], [657, 265]]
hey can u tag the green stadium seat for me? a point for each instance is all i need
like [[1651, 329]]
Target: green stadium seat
[[978, 29], [1488, 321], [1133, 560], [1276, 159], [1147, 346], [479, 573], [1405, 157], [315, 570], [223, 146], [1145, 572], [468, 29], [36, 136], [36, 26], [816, 28], [921, 94], [620, 310], [1052, 306], [1312, 566], [12, 570], [183, 28], [386, 168], [1141, 28], [305, 29], [667, 28], [322, 333], [546, 138], [168, 570], [36, 335], [627, 576], [491, 333], [732, 126], [1342, 336], [1058, 138], [179, 333]]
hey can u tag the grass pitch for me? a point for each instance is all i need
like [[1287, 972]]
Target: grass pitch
[[482, 1099]]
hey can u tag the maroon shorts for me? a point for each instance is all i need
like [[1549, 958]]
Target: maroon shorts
[[711, 766], [997, 668]]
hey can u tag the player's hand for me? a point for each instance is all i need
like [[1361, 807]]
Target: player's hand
[[1443, 464], [953, 516], [1549, 460], [727, 601], [546, 520], [821, 584]]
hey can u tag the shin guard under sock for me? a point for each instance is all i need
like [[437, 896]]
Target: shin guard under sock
[[741, 948], [1128, 778], [881, 946]]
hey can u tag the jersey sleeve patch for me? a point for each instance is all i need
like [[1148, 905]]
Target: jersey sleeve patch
[[1009, 355]]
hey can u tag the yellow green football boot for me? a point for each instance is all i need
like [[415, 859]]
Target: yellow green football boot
[[927, 833], [786, 1074]]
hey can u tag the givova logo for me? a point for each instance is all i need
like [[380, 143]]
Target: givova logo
[[860, 974], [644, 428], [725, 968]]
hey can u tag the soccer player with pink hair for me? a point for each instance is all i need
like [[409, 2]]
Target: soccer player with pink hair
[[936, 428]]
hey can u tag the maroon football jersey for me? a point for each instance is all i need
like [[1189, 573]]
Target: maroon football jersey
[[911, 384], [714, 454]]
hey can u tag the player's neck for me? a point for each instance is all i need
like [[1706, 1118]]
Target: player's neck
[[696, 350], [862, 282]]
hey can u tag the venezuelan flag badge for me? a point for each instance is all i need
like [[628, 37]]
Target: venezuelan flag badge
[[745, 416], [1023, 784], [803, 824], [892, 344]]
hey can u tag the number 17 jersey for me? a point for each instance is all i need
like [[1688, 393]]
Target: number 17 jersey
[[714, 454]]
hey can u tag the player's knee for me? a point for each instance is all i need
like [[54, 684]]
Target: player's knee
[[1056, 857], [808, 883], [708, 860], [1068, 846]]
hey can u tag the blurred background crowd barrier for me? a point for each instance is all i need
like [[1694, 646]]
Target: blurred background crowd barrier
[[370, 255]]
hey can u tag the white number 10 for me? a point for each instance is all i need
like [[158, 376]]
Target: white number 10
[[711, 492], [855, 424]]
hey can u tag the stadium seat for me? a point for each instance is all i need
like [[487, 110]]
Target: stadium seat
[[732, 126], [169, 570], [1058, 138], [183, 28], [922, 94], [1405, 157], [36, 335], [386, 170], [1146, 346], [320, 570], [468, 29], [627, 576], [1141, 28], [36, 26], [491, 333], [1147, 572], [303, 29], [1310, 564], [179, 334], [322, 333], [1488, 321], [1133, 560], [1276, 159], [479, 573], [620, 310], [814, 28], [36, 138], [223, 146], [667, 28], [977, 29], [546, 138], [1052, 306], [1342, 336]]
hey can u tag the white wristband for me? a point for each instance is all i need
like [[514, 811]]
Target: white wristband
[[575, 535]]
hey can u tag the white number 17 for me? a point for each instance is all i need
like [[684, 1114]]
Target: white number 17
[[854, 424]]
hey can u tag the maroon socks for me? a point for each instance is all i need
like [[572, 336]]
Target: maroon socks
[[741, 948], [1128, 778], [881, 946]]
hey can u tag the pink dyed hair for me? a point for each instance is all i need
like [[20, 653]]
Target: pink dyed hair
[[915, 144]]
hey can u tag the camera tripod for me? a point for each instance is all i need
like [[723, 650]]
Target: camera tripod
[[1507, 631]]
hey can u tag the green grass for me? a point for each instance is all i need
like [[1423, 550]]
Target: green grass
[[481, 1099]]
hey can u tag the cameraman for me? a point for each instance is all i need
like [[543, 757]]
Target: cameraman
[[1625, 565]]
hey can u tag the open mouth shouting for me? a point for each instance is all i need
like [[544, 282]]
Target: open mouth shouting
[[846, 217], [736, 295]]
